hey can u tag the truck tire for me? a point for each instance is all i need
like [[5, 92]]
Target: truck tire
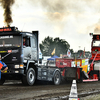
[[57, 78], [2, 81], [29, 79]]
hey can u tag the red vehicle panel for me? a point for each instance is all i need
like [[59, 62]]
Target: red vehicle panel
[[62, 62]]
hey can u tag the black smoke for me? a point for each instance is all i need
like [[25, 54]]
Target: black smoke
[[6, 4]]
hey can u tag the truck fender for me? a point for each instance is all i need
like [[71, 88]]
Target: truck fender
[[28, 64], [56, 70]]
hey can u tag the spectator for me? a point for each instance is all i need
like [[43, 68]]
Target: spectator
[[3, 67]]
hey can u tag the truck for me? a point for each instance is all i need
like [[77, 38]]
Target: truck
[[21, 60], [95, 59]]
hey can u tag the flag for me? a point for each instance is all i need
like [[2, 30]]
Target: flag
[[53, 52], [68, 53]]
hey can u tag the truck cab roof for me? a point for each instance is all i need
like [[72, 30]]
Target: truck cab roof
[[13, 31]]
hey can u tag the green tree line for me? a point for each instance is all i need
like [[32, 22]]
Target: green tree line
[[49, 44]]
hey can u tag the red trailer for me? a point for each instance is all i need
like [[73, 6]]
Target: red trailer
[[70, 68]]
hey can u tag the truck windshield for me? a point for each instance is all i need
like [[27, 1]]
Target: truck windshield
[[7, 41]]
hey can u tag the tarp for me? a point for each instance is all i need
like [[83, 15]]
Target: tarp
[[53, 58]]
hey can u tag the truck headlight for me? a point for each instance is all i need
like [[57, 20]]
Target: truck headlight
[[16, 66]]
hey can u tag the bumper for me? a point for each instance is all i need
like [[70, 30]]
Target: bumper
[[13, 74], [15, 71]]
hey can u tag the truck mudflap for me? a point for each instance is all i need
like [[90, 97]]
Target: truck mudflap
[[69, 73]]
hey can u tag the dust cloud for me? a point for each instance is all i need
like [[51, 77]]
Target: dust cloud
[[58, 11]]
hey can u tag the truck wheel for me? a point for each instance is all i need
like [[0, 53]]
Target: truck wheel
[[2, 81], [29, 79], [57, 78]]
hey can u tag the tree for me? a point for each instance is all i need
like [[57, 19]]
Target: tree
[[61, 46], [48, 44], [71, 50]]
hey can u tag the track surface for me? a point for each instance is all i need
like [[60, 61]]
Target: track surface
[[16, 91]]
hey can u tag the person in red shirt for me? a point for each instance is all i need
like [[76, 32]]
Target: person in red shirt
[[3, 67]]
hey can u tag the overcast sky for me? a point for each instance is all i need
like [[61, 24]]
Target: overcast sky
[[71, 20]]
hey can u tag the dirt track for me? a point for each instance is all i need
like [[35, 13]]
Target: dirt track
[[16, 91]]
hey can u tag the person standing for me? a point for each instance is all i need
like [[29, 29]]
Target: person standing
[[3, 67]]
